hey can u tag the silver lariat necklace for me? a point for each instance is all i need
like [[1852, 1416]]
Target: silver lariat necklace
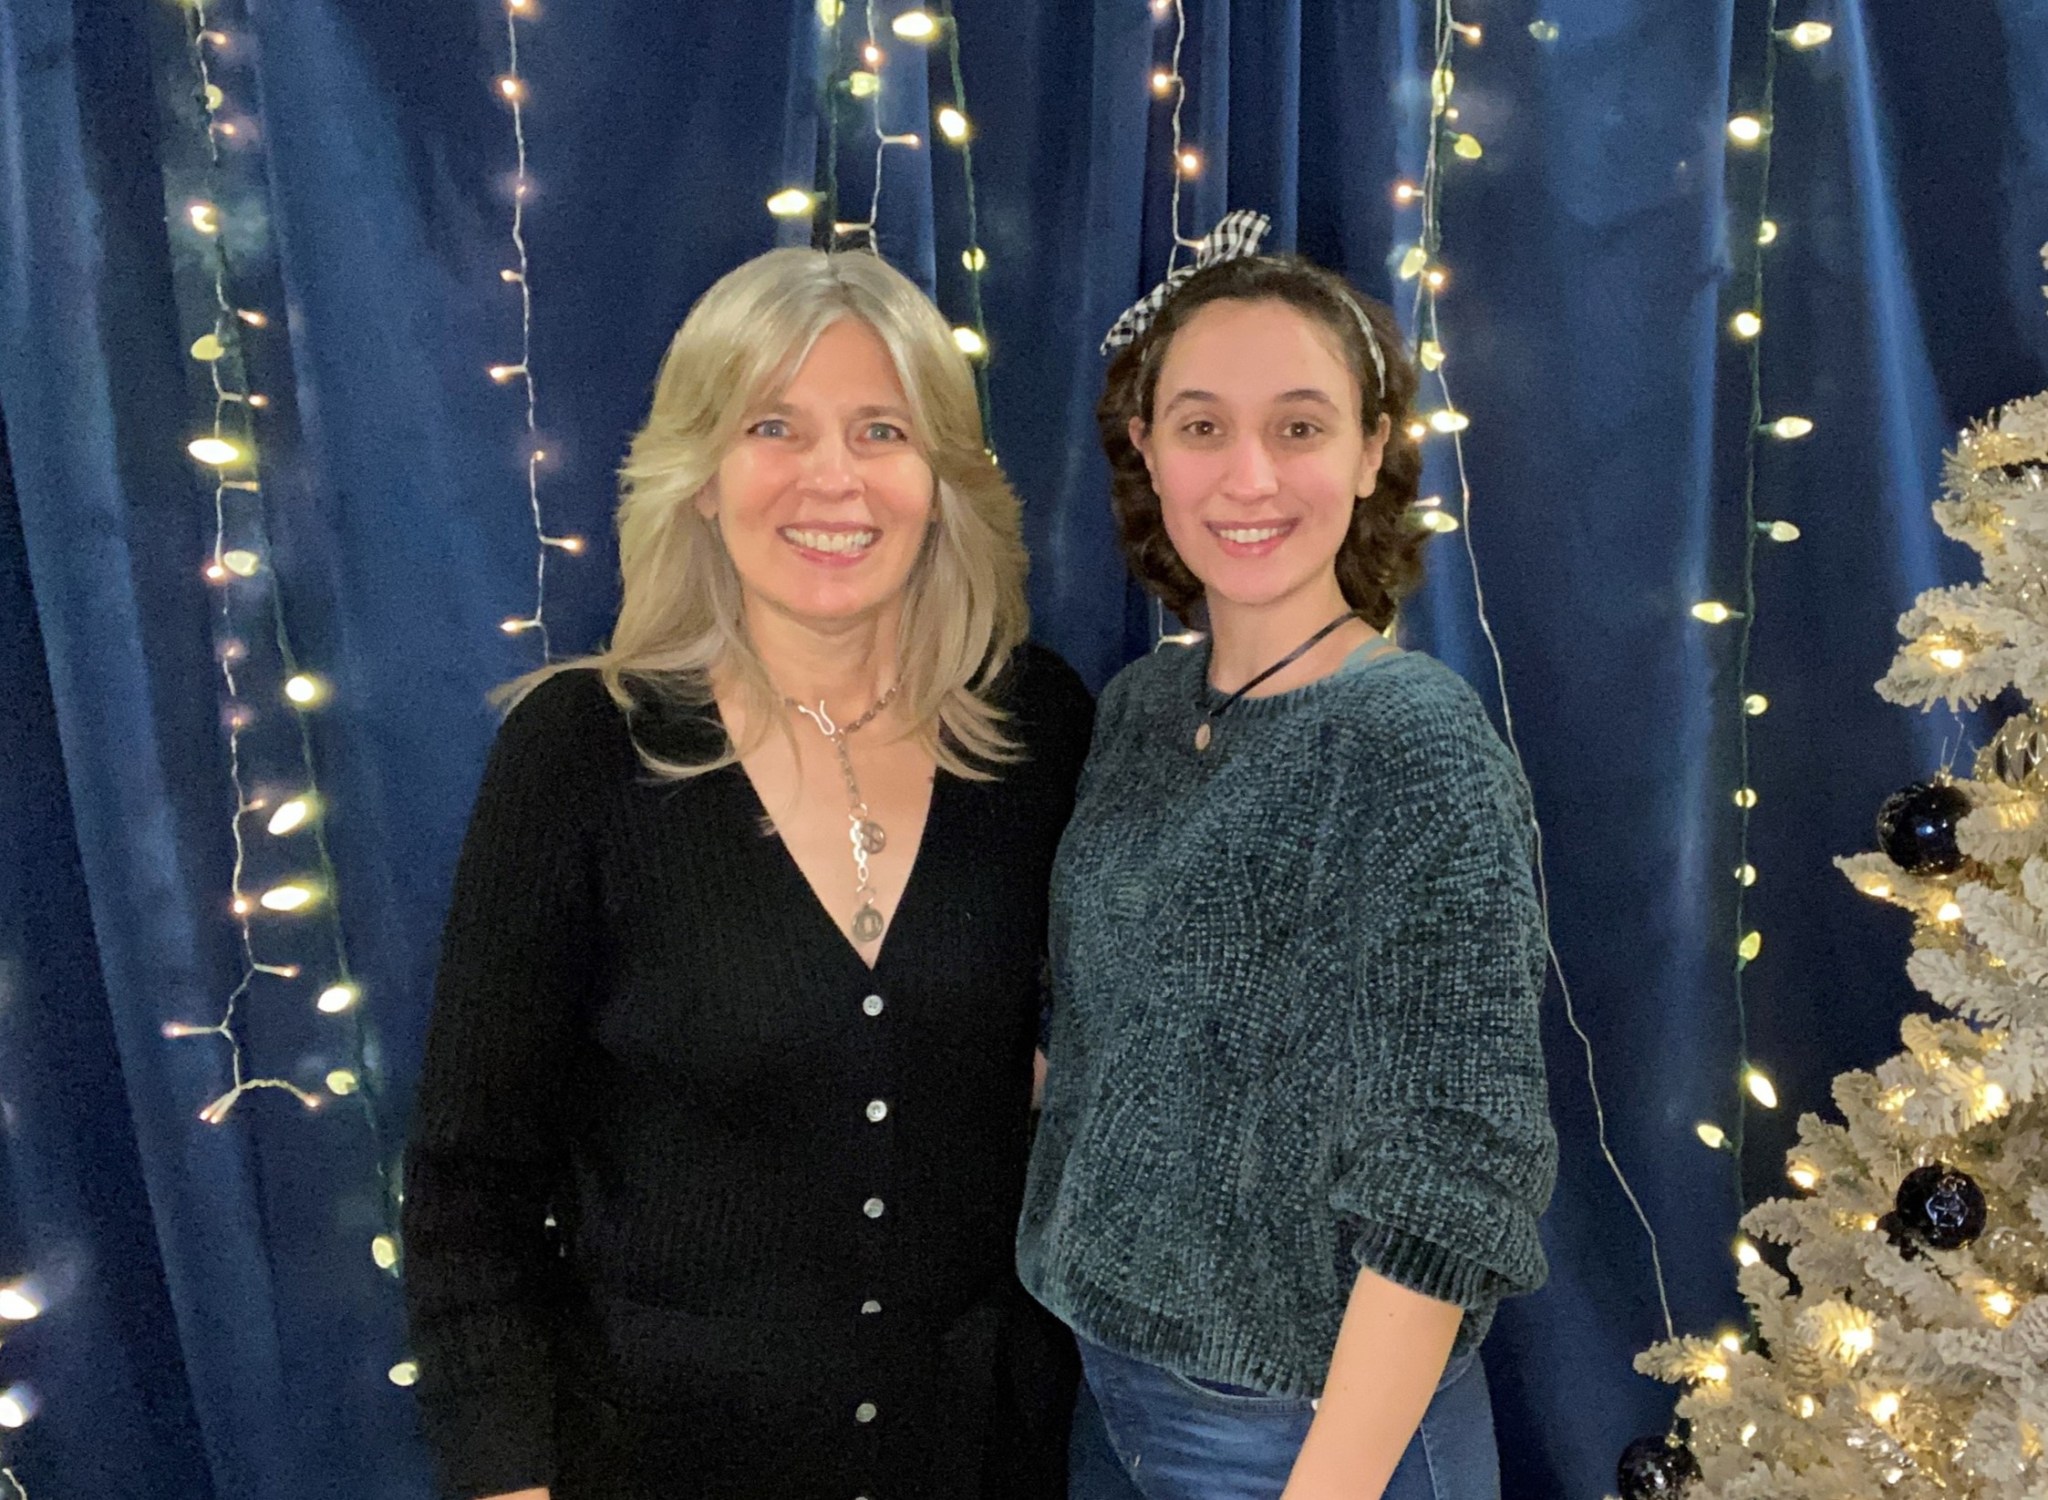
[[866, 835]]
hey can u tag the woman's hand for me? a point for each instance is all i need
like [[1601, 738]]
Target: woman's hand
[[1390, 1355]]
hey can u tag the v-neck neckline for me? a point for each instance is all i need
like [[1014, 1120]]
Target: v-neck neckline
[[772, 830]]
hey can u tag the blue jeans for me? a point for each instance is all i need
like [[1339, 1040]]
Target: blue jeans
[[1144, 1433]]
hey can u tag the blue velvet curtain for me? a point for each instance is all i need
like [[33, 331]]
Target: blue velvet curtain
[[215, 1324]]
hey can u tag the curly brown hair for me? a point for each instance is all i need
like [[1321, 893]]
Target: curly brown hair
[[1380, 561]]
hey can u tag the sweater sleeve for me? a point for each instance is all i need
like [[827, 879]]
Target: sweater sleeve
[[487, 1152], [1447, 1153]]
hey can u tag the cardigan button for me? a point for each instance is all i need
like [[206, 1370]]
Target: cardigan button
[[871, 1006], [865, 1412], [878, 1111], [872, 1208]]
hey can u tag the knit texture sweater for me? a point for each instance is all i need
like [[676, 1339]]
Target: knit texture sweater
[[696, 1201], [1296, 980]]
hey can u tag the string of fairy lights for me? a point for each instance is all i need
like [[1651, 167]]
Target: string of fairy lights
[[251, 601], [923, 29], [1184, 164], [1422, 263], [512, 89], [1750, 134]]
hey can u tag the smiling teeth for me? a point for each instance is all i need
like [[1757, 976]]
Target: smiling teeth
[[1249, 538], [832, 541]]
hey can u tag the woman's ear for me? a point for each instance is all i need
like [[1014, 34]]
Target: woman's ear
[[1373, 455], [1141, 439]]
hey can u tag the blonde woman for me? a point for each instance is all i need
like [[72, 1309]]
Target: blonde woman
[[723, 1123]]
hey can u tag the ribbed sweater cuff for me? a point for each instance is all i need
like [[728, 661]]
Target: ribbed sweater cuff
[[1413, 1262]]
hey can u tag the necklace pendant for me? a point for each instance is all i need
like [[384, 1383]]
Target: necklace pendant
[[867, 924], [872, 838], [1203, 734]]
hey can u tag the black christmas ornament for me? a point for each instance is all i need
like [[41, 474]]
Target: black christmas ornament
[[1652, 1466], [1902, 1239], [1916, 827], [1941, 1206]]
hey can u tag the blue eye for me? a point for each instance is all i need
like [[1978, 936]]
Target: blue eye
[[884, 432], [770, 427]]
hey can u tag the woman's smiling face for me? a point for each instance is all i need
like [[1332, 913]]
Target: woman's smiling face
[[1257, 451], [824, 499]]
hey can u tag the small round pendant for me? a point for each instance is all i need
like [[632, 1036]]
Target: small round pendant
[[867, 925], [1203, 735], [872, 838]]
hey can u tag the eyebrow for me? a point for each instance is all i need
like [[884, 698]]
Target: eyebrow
[[780, 408], [1304, 393]]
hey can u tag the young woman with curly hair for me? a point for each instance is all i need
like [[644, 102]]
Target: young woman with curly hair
[[1295, 1142]]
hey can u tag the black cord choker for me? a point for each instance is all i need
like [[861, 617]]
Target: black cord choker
[[1205, 732]]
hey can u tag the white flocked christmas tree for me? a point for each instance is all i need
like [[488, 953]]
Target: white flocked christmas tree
[[1906, 1352]]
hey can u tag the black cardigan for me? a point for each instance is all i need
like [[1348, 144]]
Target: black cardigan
[[696, 1203]]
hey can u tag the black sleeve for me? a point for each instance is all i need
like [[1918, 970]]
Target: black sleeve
[[487, 1146], [1055, 717], [1055, 720]]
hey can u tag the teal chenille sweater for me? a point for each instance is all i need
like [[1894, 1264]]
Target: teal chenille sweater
[[1294, 1032]]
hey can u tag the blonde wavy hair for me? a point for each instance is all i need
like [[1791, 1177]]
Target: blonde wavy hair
[[681, 615]]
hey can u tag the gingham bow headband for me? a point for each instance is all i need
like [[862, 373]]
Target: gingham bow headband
[[1237, 234]]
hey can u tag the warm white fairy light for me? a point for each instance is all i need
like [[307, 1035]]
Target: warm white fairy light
[[1760, 1087], [915, 26], [1713, 612], [1808, 35], [337, 998], [1745, 130], [305, 690], [1790, 428], [1712, 1136]]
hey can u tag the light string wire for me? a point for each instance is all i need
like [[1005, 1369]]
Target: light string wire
[[973, 258], [920, 28], [1745, 800], [512, 88], [1450, 421], [1753, 131], [1182, 164], [230, 449]]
